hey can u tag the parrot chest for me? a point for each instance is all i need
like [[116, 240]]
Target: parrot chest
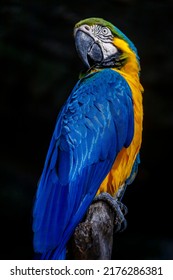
[[125, 159]]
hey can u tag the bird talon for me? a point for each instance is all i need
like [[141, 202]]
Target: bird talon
[[123, 208], [118, 208]]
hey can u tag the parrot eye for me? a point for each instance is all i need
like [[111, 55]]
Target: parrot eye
[[105, 31], [102, 32]]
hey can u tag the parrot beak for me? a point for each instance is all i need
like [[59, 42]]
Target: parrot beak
[[89, 51]]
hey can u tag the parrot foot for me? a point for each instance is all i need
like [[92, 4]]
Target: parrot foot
[[118, 208]]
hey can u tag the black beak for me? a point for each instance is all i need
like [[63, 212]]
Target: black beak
[[89, 51]]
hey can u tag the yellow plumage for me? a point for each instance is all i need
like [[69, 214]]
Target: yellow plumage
[[123, 164]]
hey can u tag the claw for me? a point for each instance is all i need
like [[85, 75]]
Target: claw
[[118, 207]]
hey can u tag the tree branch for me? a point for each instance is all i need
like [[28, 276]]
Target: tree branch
[[93, 237]]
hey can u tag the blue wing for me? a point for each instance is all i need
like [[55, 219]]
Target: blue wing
[[92, 127]]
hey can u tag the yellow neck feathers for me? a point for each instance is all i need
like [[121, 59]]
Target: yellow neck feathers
[[123, 164], [131, 66]]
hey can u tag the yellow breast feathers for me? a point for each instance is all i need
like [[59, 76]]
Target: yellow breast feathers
[[123, 164]]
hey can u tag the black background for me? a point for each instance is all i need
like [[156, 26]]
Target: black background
[[38, 69]]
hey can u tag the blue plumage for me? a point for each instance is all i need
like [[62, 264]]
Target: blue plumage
[[92, 127]]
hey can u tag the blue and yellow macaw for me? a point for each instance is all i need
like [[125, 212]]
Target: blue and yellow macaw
[[95, 145]]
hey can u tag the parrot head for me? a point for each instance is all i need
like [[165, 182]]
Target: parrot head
[[100, 44]]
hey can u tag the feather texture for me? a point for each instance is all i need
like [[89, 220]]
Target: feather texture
[[95, 123]]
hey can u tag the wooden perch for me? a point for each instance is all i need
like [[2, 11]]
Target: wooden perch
[[93, 237]]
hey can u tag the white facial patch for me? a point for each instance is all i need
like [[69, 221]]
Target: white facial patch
[[108, 49], [104, 37]]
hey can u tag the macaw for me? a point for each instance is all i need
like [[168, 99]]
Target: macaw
[[94, 150]]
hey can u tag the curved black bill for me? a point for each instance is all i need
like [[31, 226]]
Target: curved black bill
[[89, 51]]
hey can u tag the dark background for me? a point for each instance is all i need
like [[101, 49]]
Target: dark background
[[38, 69]]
